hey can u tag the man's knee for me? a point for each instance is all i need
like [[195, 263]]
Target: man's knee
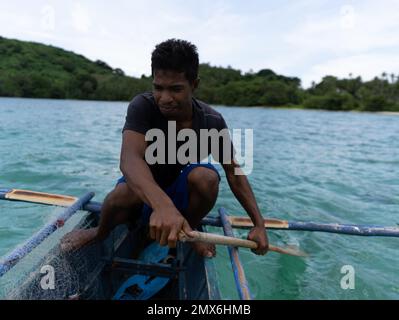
[[122, 197], [204, 180]]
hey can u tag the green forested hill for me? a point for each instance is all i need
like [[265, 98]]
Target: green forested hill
[[30, 69]]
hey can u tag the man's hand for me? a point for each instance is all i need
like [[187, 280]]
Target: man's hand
[[165, 225], [258, 234]]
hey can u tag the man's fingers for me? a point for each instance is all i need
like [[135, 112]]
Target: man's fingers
[[153, 232], [164, 237], [172, 238], [261, 252], [158, 234], [257, 250], [186, 228], [262, 249], [262, 246]]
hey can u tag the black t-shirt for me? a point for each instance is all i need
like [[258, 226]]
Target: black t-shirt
[[143, 114]]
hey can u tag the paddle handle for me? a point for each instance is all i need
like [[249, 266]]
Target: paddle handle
[[235, 242], [217, 239]]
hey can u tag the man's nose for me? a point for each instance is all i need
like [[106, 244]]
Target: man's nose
[[165, 98]]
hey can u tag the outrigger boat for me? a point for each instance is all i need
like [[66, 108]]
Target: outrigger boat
[[115, 268], [126, 267]]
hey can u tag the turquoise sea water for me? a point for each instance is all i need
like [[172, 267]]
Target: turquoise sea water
[[308, 165]]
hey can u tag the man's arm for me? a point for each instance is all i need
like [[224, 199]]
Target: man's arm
[[166, 221], [241, 189]]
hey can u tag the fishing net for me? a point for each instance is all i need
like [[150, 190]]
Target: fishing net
[[50, 274]]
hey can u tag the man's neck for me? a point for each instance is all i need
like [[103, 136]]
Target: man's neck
[[186, 120]]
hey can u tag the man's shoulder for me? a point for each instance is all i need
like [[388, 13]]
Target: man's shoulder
[[207, 110], [211, 118], [143, 98], [141, 113]]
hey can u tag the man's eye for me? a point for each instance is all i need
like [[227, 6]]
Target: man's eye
[[178, 89]]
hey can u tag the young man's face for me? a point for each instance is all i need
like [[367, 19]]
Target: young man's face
[[172, 93]]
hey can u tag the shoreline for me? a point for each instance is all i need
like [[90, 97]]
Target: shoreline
[[390, 113]]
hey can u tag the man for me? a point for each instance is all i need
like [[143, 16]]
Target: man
[[174, 197]]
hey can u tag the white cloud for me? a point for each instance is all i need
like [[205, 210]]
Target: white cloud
[[303, 38], [366, 65], [47, 21], [366, 28], [81, 20], [362, 39]]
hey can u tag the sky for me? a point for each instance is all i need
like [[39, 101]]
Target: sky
[[304, 38]]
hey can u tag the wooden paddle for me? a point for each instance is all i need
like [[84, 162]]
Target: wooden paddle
[[38, 197], [236, 242]]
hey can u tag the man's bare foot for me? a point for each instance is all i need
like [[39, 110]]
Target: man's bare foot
[[207, 250], [76, 239]]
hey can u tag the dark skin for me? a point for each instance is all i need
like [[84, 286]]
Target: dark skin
[[173, 94], [241, 189]]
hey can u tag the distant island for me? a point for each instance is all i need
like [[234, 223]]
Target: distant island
[[35, 70]]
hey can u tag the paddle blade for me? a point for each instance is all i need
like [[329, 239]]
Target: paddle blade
[[246, 223], [40, 197], [291, 250]]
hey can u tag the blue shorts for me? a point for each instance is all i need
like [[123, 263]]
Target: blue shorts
[[177, 191]]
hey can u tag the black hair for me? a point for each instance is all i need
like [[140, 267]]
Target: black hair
[[176, 55]]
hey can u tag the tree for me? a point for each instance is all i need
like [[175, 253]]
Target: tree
[[327, 85], [119, 72], [103, 65], [376, 103], [332, 101]]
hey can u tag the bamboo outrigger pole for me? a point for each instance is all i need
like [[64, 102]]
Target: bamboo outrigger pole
[[238, 269], [276, 224], [235, 221]]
